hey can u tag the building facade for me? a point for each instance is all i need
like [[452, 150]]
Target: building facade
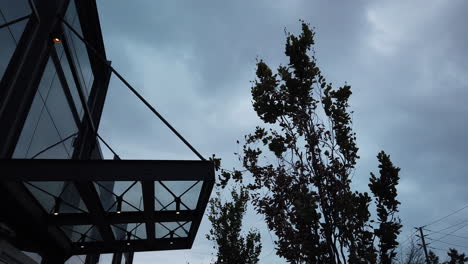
[[59, 197], [46, 75]]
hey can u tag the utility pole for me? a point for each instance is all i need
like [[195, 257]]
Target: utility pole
[[423, 243]]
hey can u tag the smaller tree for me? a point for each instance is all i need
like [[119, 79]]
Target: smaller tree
[[455, 257], [226, 219], [433, 258], [384, 189], [413, 255]]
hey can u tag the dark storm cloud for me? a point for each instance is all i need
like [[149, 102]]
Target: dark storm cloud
[[412, 104], [407, 63]]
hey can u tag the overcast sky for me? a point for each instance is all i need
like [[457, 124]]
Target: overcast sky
[[193, 60]]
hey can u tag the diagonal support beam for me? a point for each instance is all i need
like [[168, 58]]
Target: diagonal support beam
[[134, 91]]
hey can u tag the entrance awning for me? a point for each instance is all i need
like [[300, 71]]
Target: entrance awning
[[106, 206]]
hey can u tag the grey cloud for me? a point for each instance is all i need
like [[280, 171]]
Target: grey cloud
[[407, 65]]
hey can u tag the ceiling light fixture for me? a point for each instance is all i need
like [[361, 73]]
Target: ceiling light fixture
[[177, 202], [119, 204], [56, 209]]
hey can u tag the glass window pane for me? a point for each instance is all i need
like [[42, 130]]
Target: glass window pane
[[44, 193], [131, 192], [45, 135], [137, 231], [119, 231], [8, 48], [34, 256], [179, 229], [78, 49], [28, 128], [9, 36], [17, 29], [72, 202], [79, 259], [70, 80], [184, 230], [47, 192], [82, 233], [13, 9], [59, 109], [50, 122], [188, 191], [107, 198]]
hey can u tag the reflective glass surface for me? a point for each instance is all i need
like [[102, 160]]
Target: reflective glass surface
[[174, 229], [130, 191], [166, 193], [131, 231], [80, 259], [50, 128], [13, 9], [10, 35], [78, 49], [70, 80], [82, 233], [57, 197]]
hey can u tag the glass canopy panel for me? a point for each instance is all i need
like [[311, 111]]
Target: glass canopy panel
[[167, 192], [57, 196], [177, 229], [132, 231], [82, 233], [130, 191]]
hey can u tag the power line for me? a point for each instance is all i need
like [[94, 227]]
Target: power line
[[449, 227], [408, 238], [431, 247], [447, 234], [451, 244], [444, 217], [452, 226], [452, 232]]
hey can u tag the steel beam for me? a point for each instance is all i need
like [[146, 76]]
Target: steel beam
[[108, 170]]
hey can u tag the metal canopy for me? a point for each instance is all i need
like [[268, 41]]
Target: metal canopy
[[106, 206]]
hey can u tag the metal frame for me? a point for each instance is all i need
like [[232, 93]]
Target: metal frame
[[38, 230], [20, 80], [84, 173]]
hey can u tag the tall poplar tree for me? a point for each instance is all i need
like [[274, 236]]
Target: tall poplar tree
[[302, 159]]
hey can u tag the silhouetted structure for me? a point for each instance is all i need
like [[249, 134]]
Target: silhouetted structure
[[59, 198]]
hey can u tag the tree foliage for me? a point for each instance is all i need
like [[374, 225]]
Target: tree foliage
[[433, 258], [226, 219], [414, 254], [455, 257], [302, 161]]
